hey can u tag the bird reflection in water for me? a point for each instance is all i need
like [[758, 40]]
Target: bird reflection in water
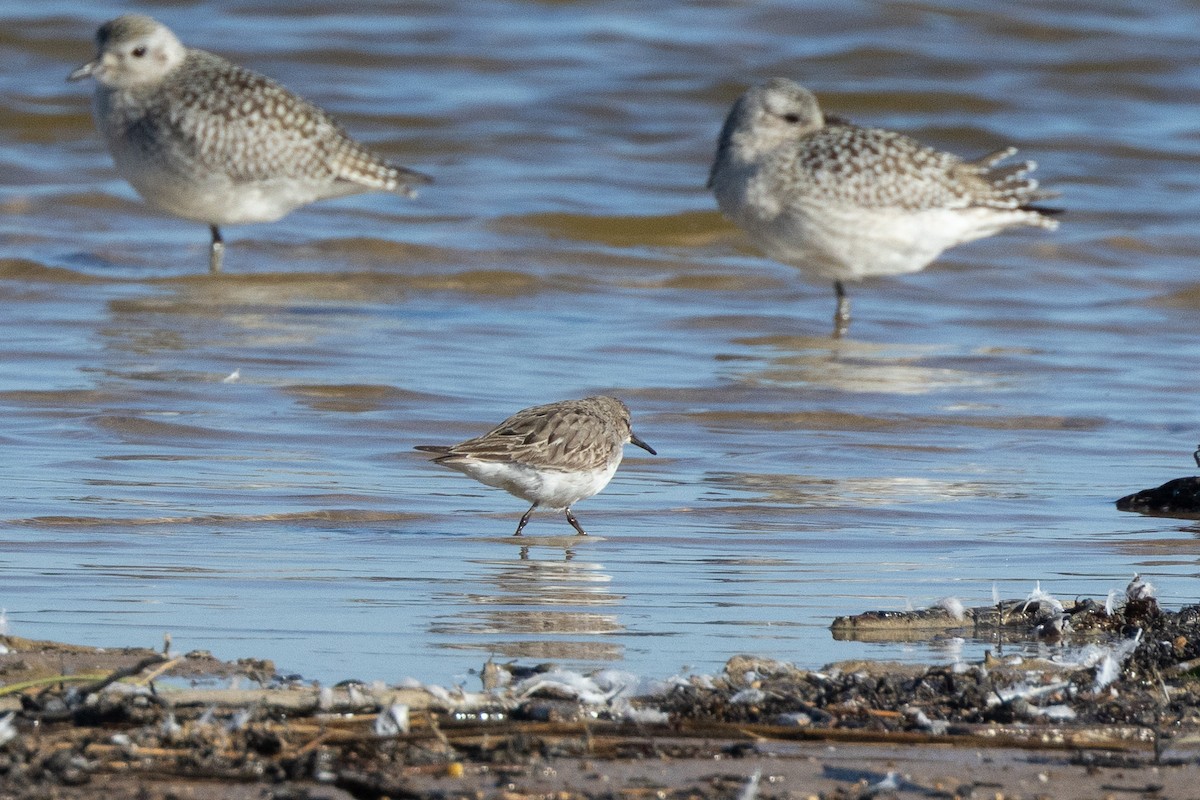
[[537, 608]]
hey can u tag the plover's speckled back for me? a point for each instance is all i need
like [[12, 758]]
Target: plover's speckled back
[[553, 455], [845, 203], [207, 140]]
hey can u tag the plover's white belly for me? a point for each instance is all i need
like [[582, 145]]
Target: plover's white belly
[[549, 488], [189, 191], [844, 242]]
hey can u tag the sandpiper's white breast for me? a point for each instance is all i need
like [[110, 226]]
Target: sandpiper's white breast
[[549, 488]]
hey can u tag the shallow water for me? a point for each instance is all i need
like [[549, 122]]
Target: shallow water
[[971, 432]]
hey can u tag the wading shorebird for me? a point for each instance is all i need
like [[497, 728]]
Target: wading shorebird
[[845, 203], [206, 140], [552, 455]]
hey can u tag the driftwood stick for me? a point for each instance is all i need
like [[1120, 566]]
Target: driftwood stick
[[158, 671], [17, 688], [123, 672]]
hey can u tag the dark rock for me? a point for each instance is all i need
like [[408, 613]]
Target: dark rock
[[1178, 497]]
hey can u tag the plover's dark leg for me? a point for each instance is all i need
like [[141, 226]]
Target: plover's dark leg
[[524, 520], [218, 250], [575, 523], [841, 315]]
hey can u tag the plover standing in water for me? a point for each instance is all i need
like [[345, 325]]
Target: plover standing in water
[[204, 139], [846, 203], [552, 455]]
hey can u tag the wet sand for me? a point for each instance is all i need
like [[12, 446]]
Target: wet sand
[[712, 770]]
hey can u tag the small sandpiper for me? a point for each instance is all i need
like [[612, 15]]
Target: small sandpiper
[[845, 203], [552, 455], [204, 139]]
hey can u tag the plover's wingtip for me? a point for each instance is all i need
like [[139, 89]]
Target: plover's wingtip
[[407, 181], [411, 176], [995, 157], [1044, 216]]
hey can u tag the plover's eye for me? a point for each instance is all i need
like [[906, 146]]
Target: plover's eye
[[793, 118], [138, 52]]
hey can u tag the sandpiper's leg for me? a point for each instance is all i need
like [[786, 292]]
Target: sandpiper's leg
[[575, 523], [524, 520], [218, 250], [841, 315]]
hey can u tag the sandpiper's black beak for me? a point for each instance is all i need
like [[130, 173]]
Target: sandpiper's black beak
[[635, 440]]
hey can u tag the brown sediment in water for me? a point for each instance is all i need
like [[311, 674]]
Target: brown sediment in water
[[137, 723]]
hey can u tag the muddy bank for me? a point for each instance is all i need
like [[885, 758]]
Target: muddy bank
[[1115, 716]]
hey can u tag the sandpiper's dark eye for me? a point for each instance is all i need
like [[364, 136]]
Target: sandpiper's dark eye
[[138, 52], [793, 118]]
